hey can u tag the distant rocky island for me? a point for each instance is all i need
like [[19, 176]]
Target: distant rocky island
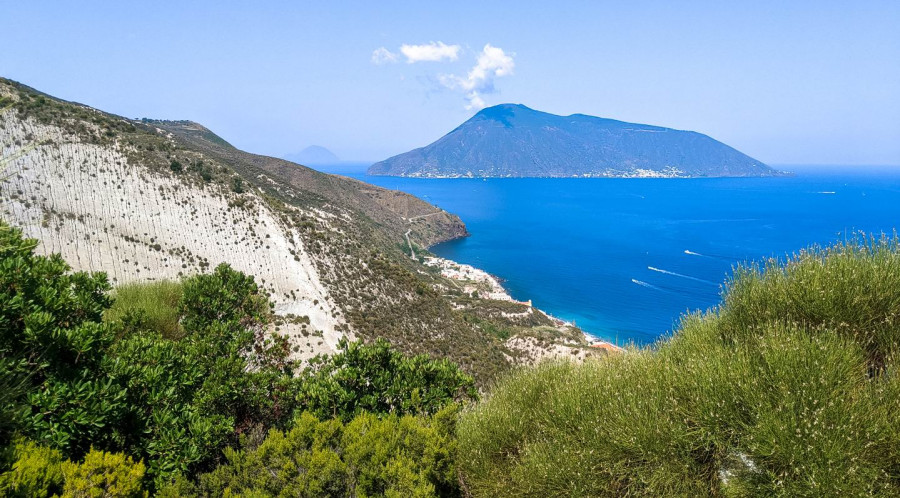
[[512, 140], [314, 154]]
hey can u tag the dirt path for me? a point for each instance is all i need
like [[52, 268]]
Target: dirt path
[[424, 216], [412, 253]]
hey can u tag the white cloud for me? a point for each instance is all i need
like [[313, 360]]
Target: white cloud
[[430, 52], [383, 56], [492, 63]]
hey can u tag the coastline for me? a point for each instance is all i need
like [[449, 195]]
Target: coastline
[[478, 280]]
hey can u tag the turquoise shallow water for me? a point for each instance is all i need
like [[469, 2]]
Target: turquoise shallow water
[[624, 258]]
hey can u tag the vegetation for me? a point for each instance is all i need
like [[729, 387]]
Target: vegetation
[[376, 379], [395, 456], [107, 401], [789, 388], [153, 305]]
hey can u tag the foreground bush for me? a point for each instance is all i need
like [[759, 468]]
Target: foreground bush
[[41, 472], [36, 471], [373, 378], [392, 456], [72, 381], [104, 474], [790, 388], [127, 398]]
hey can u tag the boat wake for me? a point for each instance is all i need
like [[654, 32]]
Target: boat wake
[[667, 272], [649, 286], [713, 256]]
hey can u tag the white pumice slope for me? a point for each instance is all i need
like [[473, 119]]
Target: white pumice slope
[[102, 213]]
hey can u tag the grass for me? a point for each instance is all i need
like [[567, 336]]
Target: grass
[[155, 304], [789, 388]]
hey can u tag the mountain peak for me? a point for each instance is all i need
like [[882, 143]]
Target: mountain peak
[[314, 154], [513, 140]]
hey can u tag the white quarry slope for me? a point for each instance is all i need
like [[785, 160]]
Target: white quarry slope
[[103, 213]]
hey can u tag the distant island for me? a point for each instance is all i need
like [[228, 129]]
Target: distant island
[[512, 140], [314, 154]]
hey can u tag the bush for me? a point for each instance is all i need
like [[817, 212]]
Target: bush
[[103, 474], [369, 456], [237, 185], [377, 379], [789, 388], [850, 289], [51, 336], [71, 382], [225, 297], [37, 472]]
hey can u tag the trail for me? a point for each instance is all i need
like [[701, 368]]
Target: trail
[[424, 216], [652, 268], [412, 253]]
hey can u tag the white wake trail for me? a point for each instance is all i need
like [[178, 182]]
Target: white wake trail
[[667, 272], [645, 284]]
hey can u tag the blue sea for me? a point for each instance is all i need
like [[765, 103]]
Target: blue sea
[[625, 258]]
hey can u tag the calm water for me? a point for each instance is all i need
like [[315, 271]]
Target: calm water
[[624, 258]]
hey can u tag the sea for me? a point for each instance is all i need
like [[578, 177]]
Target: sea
[[625, 258]]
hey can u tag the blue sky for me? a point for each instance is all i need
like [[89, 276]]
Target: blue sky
[[785, 82]]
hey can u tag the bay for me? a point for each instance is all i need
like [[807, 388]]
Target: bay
[[625, 258]]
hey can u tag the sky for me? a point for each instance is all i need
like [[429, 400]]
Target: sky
[[801, 82]]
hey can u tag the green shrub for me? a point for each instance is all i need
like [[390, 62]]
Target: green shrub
[[175, 403], [791, 395], [226, 297], [369, 456], [850, 289], [36, 472], [103, 474], [51, 335], [153, 306], [377, 379]]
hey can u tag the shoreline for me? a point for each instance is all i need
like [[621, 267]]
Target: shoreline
[[462, 272]]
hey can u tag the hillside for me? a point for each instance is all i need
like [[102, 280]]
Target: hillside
[[512, 140], [147, 200]]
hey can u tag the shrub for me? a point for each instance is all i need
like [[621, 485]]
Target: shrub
[[850, 289], [103, 474], [225, 296], [37, 472], [369, 456], [237, 185], [51, 336], [377, 379], [764, 396], [86, 384]]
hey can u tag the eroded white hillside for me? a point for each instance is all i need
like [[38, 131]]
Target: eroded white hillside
[[103, 213]]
